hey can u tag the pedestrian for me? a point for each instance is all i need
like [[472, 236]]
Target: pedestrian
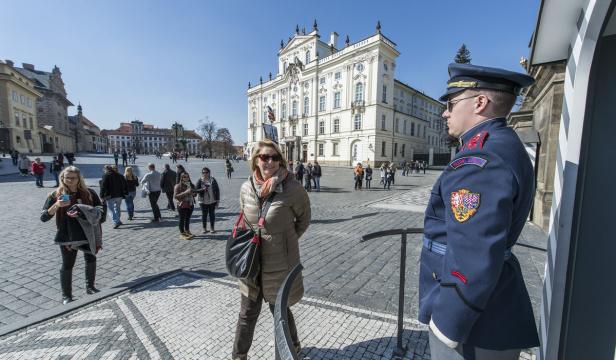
[[287, 220], [133, 157], [174, 157], [24, 165], [184, 193], [299, 172], [113, 190], [186, 156], [425, 165], [116, 157], [479, 205], [179, 171], [358, 171], [308, 177], [316, 176], [388, 177], [38, 170], [132, 181], [383, 172], [229, 168], [368, 176], [209, 198], [124, 158], [15, 157], [392, 168], [79, 213], [167, 185], [151, 182], [55, 167]]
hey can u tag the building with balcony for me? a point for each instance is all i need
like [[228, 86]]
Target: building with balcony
[[343, 105]]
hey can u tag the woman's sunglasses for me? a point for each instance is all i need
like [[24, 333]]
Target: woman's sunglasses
[[266, 158]]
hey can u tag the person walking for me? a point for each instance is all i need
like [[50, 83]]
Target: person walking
[[308, 177], [229, 168], [24, 165], [299, 172], [209, 197], [186, 156], [132, 181], [392, 168], [388, 177], [285, 222], [116, 157], [38, 170], [61, 159], [184, 194], [167, 185], [383, 173], [55, 168], [359, 176], [124, 158], [113, 190], [151, 181], [471, 288], [79, 213], [15, 157], [368, 176], [316, 176]]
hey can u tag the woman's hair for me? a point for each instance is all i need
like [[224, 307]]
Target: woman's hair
[[180, 167], [81, 183], [128, 173], [208, 170], [185, 174], [257, 148]]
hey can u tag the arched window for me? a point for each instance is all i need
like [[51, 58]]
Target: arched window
[[307, 57], [306, 106], [357, 124], [359, 92], [294, 108]]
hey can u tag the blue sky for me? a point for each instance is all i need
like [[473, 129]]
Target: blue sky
[[164, 61]]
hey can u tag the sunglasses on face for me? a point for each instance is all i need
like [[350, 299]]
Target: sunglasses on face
[[267, 158], [205, 172]]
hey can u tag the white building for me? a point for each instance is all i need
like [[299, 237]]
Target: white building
[[341, 106]]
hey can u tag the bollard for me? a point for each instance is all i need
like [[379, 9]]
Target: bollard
[[400, 348], [284, 348]]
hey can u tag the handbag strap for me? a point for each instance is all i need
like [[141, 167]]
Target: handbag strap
[[264, 206]]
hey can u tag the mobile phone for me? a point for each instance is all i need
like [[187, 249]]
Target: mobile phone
[[65, 197]]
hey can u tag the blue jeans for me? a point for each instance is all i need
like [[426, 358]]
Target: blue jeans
[[317, 182], [114, 205], [130, 205], [55, 177], [39, 179]]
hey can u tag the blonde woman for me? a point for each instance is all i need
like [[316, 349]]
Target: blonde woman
[[70, 234], [285, 222], [132, 182]]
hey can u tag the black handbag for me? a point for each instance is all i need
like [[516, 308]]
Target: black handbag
[[243, 250]]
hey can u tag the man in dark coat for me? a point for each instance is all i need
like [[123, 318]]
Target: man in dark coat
[[471, 290], [167, 183], [316, 176], [113, 190]]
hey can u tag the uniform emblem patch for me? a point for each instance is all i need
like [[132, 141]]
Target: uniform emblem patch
[[468, 160], [464, 204], [476, 141]]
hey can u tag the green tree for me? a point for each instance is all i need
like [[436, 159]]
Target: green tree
[[463, 56]]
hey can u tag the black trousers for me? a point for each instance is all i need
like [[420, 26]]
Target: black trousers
[[70, 256], [246, 323], [185, 214], [170, 203], [208, 210], [153, 197]]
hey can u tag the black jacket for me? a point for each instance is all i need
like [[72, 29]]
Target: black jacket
[[316, 170], [113, 185], [215, 189], [167, 180]]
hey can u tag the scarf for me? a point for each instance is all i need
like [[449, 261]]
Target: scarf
[[269, 184]]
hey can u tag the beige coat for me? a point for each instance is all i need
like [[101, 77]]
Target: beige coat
[[287, 219]]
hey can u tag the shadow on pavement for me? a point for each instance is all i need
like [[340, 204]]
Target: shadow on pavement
[[379, 348], [181, 279], [333, 221]]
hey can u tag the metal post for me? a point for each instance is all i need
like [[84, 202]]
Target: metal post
[[400, 349]]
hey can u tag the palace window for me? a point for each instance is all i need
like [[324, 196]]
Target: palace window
[[402, 151], [357, 122], [294, 108], [294, 130], [384, 99], [337, 76], [307, 57], [359, 92], [321, 103], [306, 106], [404, 127], [412, 129], [17, 118], [397, 125], [306, 129], [383, 146], [283, 114], [335, 149], [383, 122], [395, 149], [336, 125], [321, 127], [321, 148], [336, 99], [322, 80]]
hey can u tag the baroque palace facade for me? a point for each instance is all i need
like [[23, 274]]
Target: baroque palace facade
[[340, 106]]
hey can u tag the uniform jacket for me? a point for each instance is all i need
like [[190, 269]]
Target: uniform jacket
[[475, 293], [285, 222]]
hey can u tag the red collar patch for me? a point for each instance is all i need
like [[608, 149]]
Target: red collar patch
[[477, 140]]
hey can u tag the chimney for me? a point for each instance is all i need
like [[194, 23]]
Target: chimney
[[28, 66], [333, 39], [9, 62]]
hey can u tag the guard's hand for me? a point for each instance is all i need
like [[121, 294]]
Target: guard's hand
[[444, 339]]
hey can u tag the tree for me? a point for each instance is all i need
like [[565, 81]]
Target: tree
[[463, 56], [224, 136], [207, 130]]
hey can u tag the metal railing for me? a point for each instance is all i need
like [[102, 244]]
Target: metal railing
[[400, 348]]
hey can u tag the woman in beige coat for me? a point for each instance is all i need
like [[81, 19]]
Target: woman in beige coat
[[287, 219]]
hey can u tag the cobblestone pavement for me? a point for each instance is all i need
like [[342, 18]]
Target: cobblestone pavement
[[158, 321], [338, 268]]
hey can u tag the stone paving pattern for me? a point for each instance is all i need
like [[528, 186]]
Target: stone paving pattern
[[337, 267]]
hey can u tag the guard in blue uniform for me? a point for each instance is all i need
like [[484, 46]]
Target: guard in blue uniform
[[471, 290]]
